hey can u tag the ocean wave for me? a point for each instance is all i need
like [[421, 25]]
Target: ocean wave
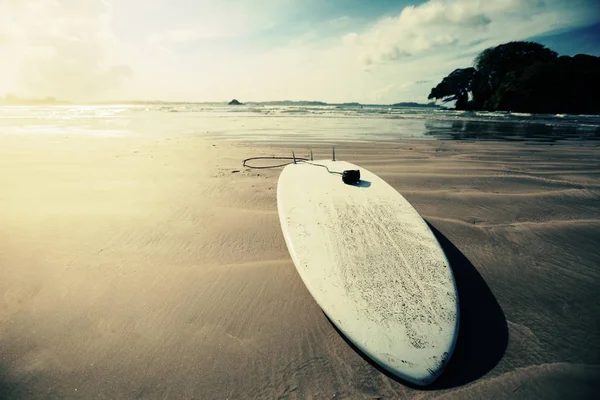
[[452, 120], [492, 114], [295, 111]]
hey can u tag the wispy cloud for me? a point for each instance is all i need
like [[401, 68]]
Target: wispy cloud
[[443, 25], [212, 24], [64, 48]]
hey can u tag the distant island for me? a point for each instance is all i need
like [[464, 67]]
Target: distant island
[[352, 104], [524, 77], [13, 100], [416, 105], [288, 103]]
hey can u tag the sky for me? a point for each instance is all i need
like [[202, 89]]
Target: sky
[[370, 51]]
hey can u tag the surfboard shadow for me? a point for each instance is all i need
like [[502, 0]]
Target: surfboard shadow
[[9, 388], [483, 331], [362, 184]]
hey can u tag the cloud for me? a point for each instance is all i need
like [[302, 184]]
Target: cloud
[[435, 13], [212, 29], [201, 21], [443, 25], [340, 22], [64, 48], [422, 28], [394, 54], [350, 38]]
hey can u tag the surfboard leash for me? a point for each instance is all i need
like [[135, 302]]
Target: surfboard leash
[[245, 162], [350, 177], [294, 160]]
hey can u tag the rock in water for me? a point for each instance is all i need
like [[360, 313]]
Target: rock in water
[[234, 102]]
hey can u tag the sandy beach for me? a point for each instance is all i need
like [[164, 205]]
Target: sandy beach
[[155, 268]]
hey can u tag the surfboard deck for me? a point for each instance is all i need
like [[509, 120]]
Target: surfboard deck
[[373, 266]]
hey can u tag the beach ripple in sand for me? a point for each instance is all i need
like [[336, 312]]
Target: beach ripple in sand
[[133, 267]]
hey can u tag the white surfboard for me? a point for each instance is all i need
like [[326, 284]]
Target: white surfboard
[[373, 266]]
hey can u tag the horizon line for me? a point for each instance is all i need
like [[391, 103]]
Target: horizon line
[[53, 101]]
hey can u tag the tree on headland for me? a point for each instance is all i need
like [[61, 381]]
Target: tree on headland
[[524, 77], [455, 87]]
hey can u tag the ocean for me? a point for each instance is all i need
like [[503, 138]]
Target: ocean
[[268, 123]]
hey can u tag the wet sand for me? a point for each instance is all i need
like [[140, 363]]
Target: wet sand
[[156, 268]]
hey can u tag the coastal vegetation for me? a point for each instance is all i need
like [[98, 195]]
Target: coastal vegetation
[[524, 77]]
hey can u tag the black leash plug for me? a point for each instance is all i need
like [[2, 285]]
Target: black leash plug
[[351, 176]]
